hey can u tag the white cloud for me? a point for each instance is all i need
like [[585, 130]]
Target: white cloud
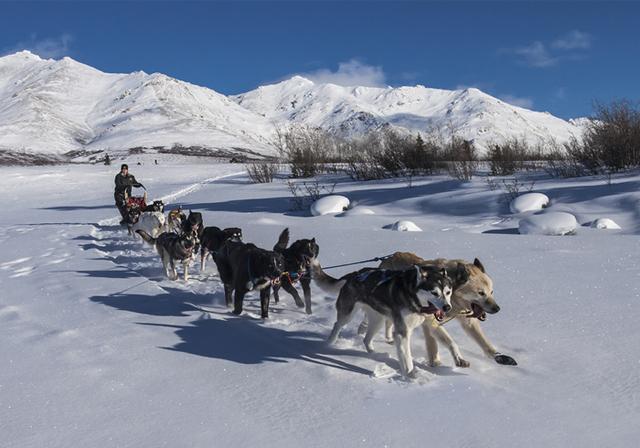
[[560, 93], [573, 40], [524, 102], [350, 73], [535, 55], [49, 47]]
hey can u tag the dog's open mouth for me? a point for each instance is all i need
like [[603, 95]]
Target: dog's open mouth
[[432, 309], [477, 312]]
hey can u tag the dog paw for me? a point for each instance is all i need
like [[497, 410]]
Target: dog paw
[[389, 341], [308, 311], [435, 363], [370, 348], [505, 360], [236, 311], [413, 374], [300, 304], [462, 363]]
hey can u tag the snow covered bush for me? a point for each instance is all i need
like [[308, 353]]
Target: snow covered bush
[[529, 202], [405, 226], [331, 204], [605, 223], [552, 223], [307, 192], [358, 211]]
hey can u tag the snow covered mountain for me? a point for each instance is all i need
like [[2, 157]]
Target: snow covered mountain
[[56, 106], [469, 113]]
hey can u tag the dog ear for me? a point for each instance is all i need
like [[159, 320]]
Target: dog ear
[[443, 272], [411, 278], [462, 274], [479, 265], [313, 239]]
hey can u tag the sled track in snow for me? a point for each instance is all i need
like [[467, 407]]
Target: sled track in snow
[[171, 197], [203, 289]]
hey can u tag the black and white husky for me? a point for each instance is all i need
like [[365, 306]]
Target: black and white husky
[[172, 247], [243, 267], [297, 259], [405, 297]]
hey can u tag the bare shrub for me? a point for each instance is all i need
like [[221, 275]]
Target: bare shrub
[[262, 172], [462, 159], [305, 193], [559, 163], [514, 187], [306, 149], [611, 141]]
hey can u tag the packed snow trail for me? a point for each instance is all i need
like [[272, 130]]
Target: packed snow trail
[[100, 349]]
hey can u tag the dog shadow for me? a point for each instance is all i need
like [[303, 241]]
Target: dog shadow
[[172, 302], [257, 343]]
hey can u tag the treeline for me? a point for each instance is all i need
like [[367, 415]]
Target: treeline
[[611, 143]]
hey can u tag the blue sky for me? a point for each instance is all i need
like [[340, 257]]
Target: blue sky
[[553, 56]]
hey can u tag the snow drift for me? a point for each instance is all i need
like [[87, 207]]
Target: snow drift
[[552, 223], [529, 202], [328, 205]]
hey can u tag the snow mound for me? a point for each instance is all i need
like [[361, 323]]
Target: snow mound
[[552, 223], [334, 203], [358, 211], [529, 202], [405, 226], [605, 223]]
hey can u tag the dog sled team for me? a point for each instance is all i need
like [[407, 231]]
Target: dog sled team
[[403, 293]]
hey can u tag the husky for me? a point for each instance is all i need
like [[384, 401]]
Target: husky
[[151, 220], [472, 299], [406, 297], [193, 224], [243, 267], [171, 247], [297, 259], [175, 219], [212, 240]]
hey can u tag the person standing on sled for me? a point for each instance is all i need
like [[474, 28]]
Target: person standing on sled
[[124, 182]]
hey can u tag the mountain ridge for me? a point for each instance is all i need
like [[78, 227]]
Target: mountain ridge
[[53, 106]]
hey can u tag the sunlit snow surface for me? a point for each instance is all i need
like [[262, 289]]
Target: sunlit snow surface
[[100, 349]]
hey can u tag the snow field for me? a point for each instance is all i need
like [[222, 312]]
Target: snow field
[[100, 349]]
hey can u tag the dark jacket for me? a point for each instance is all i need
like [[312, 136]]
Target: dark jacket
[[124, 184]]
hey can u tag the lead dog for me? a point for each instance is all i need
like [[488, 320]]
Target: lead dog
[[171, 247], [244, 267], [405, 297], [297, 259], [471, 300]]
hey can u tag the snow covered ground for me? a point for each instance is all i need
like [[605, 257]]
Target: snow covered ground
[[99, 349]]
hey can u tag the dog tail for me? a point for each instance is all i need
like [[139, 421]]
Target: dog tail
[[145, 236], [283, 241], [327, 283]]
